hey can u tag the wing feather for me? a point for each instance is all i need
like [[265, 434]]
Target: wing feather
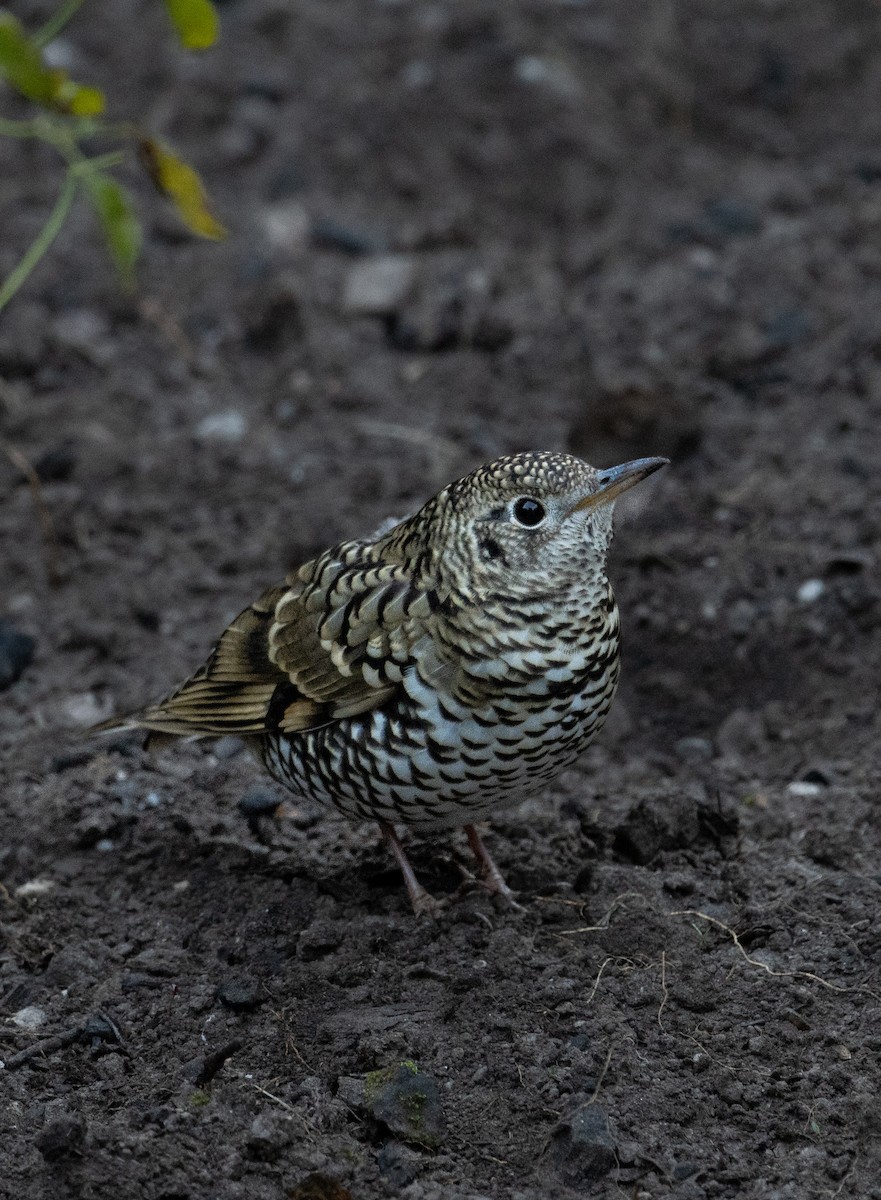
[[331, 642]]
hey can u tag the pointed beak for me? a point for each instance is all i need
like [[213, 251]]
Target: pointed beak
[[615, 480]]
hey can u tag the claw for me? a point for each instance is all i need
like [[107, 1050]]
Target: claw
[[493, 880], [424, 904]]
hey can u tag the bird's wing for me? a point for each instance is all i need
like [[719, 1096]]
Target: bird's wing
[[331, 642]]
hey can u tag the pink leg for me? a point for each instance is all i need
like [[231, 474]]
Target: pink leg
[[492, 876], [423, 902]]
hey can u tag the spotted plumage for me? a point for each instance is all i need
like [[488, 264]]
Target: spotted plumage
[[435, 673]]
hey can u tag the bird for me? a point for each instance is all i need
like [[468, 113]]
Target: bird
[[433, 673]]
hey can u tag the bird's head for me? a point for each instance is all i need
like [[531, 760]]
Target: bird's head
[[533, 518]]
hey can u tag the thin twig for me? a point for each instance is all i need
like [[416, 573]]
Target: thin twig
[[277, 1099], [604, 920], [600, 1078], [757, 962], [664, 991], [596, 982]]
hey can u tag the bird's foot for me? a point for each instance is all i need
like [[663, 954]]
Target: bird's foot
[[492, 880], [424, 904]]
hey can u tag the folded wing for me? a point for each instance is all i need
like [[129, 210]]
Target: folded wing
[[333, 641]]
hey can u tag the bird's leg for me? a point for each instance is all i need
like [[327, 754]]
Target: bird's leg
[[422, 901], [492, 876]]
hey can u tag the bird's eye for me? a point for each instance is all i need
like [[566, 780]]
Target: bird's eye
[[528, 512]]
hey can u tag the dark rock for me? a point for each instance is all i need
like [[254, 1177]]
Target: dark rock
[[98, 1029], [67, 759], [63, 1136], [258, 802], [274, 322], [56, 465], [269, 1136], [398, 1164], [822, 775], [407, 1102], [717, 821], [665, 823], [16, 653], [200, 1071], [240, 993], [333, 236], [582, 1149], [730, 218]]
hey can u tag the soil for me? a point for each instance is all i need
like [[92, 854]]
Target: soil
[[618, 228]]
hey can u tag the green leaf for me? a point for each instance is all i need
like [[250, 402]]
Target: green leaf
[[122, 229], [180, 183], [22, 65], [195, 22], [78, 99], [23, 68]]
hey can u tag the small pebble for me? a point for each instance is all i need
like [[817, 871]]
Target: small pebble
[[34, 887], [240, 994], [85, 708], [810, 590], [805, 790], [694, 749], [29, 1018], [222, 427], [334, 236], [259, 802], [377, 286], [228, 747], [552, 74]]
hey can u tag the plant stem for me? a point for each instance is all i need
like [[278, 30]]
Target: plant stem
[[43, 240], [55, 24], [20, 129]]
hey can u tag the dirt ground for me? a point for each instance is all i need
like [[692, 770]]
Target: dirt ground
[[618, 228]]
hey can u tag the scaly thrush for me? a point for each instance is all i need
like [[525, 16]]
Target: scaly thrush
[[435, 673]]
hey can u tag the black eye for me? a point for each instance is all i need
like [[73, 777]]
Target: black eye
[[528, 512]]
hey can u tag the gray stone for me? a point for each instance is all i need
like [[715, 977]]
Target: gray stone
[[222, 427], [240, 993], [694, 749], [407, 1102], [377, 286], [582, 1149]]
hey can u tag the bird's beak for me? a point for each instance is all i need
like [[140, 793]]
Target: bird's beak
[[615, 480]]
